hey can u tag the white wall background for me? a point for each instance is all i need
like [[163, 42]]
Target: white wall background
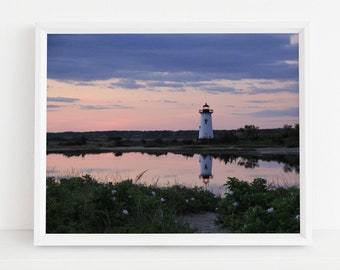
[[17, 21]]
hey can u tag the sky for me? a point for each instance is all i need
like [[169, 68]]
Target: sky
[[101, 82]]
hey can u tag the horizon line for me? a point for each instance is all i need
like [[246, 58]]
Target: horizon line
[[161, 130]]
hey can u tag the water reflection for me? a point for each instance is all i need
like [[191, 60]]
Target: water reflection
[[248, 162], [290, 162], [206, 168], [166, 168]]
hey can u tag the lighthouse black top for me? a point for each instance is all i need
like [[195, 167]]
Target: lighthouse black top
[[206, 109]]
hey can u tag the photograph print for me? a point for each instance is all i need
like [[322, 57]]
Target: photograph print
[[173, 133]]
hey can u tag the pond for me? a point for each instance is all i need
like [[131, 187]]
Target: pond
[[208, 171]]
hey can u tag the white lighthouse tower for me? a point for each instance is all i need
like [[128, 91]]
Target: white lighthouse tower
[[206, 168], [206, 131]]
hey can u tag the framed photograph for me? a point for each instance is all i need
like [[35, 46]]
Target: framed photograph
[[171, 134]]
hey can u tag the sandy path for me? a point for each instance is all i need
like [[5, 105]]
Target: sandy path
[[203, 222]]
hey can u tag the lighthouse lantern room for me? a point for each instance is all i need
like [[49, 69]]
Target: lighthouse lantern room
[[205, 128]]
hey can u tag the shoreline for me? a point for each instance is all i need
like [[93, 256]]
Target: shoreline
[[177, 150]]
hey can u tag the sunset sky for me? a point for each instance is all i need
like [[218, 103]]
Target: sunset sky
[[160, 81]]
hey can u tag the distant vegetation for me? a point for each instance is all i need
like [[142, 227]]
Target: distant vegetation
[[82, 205], [247, 136]]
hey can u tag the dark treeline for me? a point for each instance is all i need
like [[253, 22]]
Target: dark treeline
[[247, 136], [150, 134], [126, 134]]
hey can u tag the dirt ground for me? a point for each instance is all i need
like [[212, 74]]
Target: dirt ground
[[203, 222]]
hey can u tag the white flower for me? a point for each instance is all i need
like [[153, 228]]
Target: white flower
[[187, 201], [125, 212], [270, 210], [113, 199], [297, 217], [153, 193], [192, 199], [162, 200], [113, 191], [235, 204]]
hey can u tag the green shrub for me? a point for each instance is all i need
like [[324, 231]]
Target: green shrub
[[258, 208], [82, 205]]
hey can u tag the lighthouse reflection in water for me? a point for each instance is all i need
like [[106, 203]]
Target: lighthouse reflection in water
[[206, 168]]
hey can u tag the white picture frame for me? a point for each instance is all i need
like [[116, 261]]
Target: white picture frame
[[41, 238]]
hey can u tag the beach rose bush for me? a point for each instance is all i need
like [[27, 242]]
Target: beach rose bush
[[83, 205], [259, 208]]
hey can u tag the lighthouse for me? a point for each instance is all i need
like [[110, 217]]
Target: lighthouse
[[205, 129], [206, 168]]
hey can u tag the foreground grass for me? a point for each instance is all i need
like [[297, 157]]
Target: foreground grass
[[82, 205]]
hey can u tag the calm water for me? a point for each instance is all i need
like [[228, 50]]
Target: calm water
[[166, 170]]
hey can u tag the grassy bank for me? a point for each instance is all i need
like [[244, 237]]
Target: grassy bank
[[82, 205]]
